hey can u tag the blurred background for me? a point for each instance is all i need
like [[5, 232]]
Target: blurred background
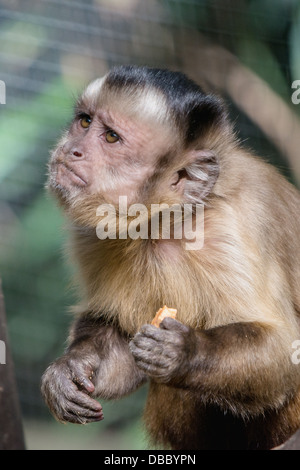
[[248, 51]]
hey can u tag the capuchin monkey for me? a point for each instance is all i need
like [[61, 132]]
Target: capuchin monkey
[[221, 375]]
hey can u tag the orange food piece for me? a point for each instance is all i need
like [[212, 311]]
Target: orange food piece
[[163, 313]]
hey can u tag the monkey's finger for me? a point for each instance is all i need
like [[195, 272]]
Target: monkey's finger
[[84, 401], [151, 331], [70, 417], [146, 344], [84, 383], [76, 414], [157, 340], [85, 420], [169, 323], [155, 371], [148, 357]]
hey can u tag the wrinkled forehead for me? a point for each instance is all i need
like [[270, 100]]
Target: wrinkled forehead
[[135, 102]]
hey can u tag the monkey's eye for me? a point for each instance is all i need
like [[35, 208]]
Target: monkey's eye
[[85, 121], [111, 137]]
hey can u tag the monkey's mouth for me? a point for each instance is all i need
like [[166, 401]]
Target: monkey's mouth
[[65, 174]]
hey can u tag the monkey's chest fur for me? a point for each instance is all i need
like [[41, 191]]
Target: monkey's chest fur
[[129, 282], [126, 282]]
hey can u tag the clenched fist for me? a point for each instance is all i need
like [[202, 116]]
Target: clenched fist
[[165, 352], [66, 387]]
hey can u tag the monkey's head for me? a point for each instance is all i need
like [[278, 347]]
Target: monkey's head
[[149, 134]]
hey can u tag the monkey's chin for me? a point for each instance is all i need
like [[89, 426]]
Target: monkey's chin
[[66, 177], [65, 184], [65, 195], [79, 206]]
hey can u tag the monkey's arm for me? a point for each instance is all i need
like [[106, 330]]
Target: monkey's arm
[[97, 363], [244, 367]]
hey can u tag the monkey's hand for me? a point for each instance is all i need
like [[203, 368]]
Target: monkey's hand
[[66, 386], [164, 353]]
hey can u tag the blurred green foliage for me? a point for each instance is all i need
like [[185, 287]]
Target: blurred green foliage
[[294, 44]]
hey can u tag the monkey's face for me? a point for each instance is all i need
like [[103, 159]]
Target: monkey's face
[[131, 137], [109, 151]]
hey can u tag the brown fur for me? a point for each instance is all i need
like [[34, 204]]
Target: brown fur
[[239, 272], [237, 298], [237, 277]]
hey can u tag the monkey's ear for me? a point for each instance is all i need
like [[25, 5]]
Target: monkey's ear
[[200, 175]]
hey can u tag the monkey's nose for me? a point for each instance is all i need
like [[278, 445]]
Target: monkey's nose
[[76, 153]]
